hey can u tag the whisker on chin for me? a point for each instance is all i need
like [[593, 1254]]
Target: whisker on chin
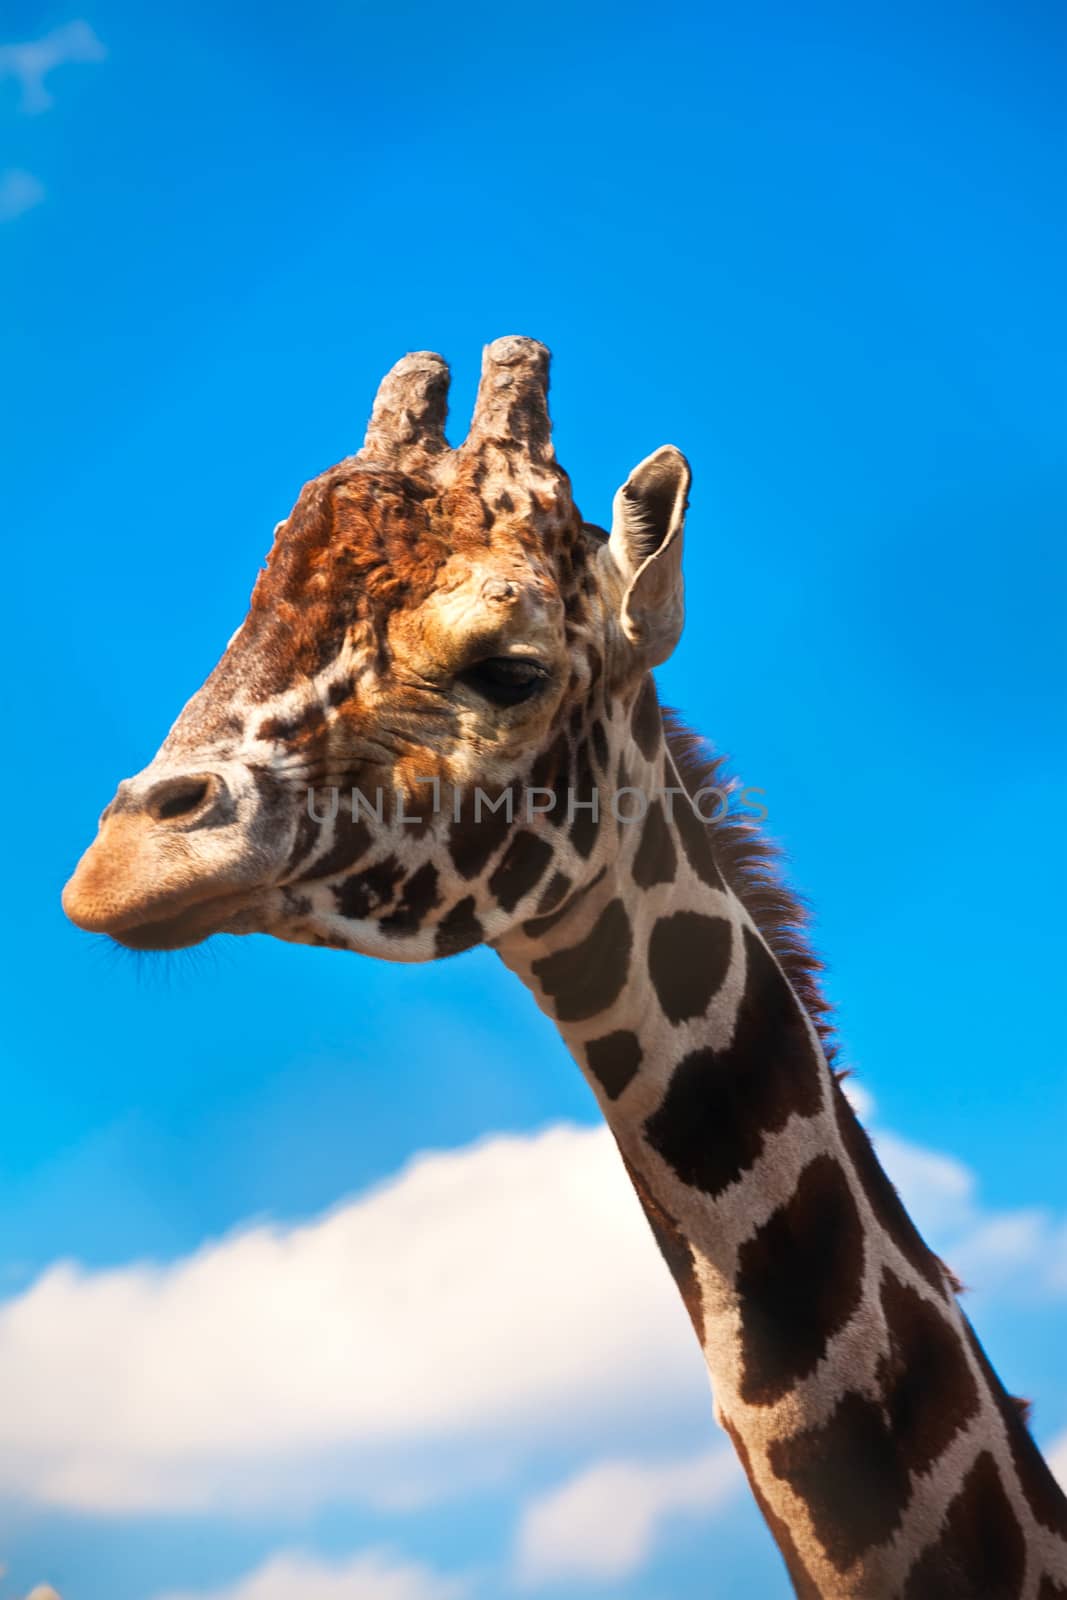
[[164, 968]]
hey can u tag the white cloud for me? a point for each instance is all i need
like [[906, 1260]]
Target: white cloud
[[1022, 1253], [19, 191], [937, 1189], [859, 1097], [421, 1338], [31, 62], [509, 1291], [293, 1575], [1056, 1456], [602, 1524]]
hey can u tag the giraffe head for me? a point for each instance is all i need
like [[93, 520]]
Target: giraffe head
[[392, 753]]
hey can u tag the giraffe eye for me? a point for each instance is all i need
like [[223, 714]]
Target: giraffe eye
[[506, 680]]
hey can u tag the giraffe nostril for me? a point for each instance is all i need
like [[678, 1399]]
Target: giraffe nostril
[[180, 797], [179, 805]]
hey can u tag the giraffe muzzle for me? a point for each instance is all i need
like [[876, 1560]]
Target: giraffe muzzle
[[178, 856]]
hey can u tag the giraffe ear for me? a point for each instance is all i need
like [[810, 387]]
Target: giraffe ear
[[646, 543]]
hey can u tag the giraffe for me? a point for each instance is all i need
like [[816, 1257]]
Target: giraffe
[[438, 726]]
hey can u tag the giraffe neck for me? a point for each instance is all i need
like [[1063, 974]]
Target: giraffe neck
[[881, 1448]]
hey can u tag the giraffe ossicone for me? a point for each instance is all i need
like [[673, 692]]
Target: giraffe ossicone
[[441, 625]]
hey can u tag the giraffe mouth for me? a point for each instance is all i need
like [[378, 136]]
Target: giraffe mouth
[[190, 926], [148, 889]]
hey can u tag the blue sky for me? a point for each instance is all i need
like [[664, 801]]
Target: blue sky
[[823, 253]]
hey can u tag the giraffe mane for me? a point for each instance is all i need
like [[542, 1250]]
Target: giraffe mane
[[752, 865]]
